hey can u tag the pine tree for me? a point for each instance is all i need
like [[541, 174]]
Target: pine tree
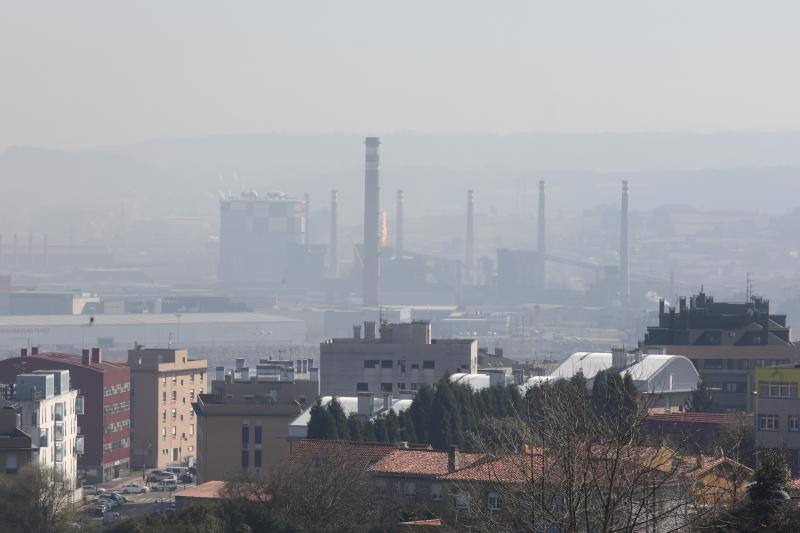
[[321, 425], [339, 418], [702, 401]]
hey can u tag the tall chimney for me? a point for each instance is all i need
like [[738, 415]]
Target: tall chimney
[[371, 221], [333, 252], [541, 247], [469, 256], [307, 217], [398, 248], [453, 458], [86, 357], [624, 275]]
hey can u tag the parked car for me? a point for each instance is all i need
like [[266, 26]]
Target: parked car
[[99, 508], [157, 475], [168, 484], [135, 488], [177, 470], [117, 497], [186, 478], [91, 489], [109, 501]]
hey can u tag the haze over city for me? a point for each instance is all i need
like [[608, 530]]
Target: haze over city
[[399, 267]]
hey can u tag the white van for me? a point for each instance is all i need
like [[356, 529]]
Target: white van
[[168, 484]]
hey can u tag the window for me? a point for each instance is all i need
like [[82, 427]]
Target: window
[[174, 431], [174, 395], [768, 422], [429, 364], [245, 435], [257, 435], [414, 366], [164, 431], [401, 386], [777, 389], [436, 492], [164, 397], [410, 488], [257, 458], [386, 364], [191, 394], [191, 429], [713, 364], [386, 387], [744, 364], [362, 387], [245, 458], [462, 500], [174, 380], [414, 386], [174, 413], [493, 501], [794, 423], [370, 363]]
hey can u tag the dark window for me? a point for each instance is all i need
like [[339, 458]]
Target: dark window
[[386, 364], [257, 458], [429, 364], [713, 364], [744, 364], [245, 458], [257, 435], [370, 363], [386, 387], [730, 364], [245, 434], [414, 365], [401, 386], [361, 387]]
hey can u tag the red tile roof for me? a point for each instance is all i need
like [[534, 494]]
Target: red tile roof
[[420, 462], [306, 450], [695, 418]]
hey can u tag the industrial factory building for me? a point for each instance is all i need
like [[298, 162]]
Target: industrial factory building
[[69, 332], [263, 240]]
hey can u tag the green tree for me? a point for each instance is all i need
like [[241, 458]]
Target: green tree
[[771, 475], [702, 401], [321, 425], [35, 500]]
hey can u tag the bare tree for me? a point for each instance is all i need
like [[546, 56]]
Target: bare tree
[[36, 500], [573, 463]]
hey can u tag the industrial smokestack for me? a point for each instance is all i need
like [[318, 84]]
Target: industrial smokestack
[[624, 274], [398, 247], [541, 247], [307, 217], [334, 242], [371, 221], [469, 256]]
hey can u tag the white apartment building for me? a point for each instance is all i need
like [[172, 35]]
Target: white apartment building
[[48, 413], [403, 357]]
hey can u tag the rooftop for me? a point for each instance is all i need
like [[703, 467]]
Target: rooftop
[[431, 463]]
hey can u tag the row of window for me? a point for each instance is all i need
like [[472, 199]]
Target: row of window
[[165, 451], [116, 407], [175, 431], [773, 423], [256, 459], [388, 364], [777, 389], [734, 364], [117, 444], [387, 387], [257, 435], [174, 378], [118, 426], [119, 388], [175, 396]]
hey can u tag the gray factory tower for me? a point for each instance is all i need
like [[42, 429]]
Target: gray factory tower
[[371, 270], [541, 249], [624, 273]]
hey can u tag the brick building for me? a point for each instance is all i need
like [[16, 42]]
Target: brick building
[[105, 423]]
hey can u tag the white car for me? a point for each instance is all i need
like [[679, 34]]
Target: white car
[[134, 488]]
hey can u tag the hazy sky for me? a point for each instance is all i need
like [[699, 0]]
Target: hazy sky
[[88, 73]]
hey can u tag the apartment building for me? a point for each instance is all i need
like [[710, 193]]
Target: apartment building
[[243, 424], [725, 341], [164, 383], [402, 357], [49, 411], [777, 412], [105, 423], [17, 448]]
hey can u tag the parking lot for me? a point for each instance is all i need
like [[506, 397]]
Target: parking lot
[[154, 501]]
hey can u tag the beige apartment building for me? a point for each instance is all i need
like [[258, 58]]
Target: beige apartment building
[[164, 383], [243, 424]]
